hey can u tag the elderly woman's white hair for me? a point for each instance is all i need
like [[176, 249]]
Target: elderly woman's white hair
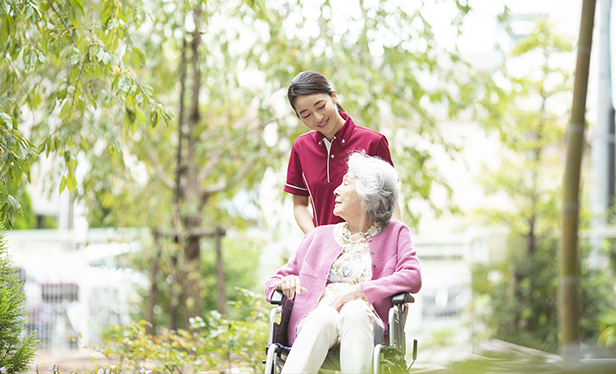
[[375, 184]]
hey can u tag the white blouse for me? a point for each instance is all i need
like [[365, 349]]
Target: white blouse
[[353, 266]]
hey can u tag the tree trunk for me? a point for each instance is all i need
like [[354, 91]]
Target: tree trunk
[[568, 285], [193, 188], [178, 237], [222, 298], [153, 291]]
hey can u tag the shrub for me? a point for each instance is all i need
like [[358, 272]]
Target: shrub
[[16, 349], [213, 344]]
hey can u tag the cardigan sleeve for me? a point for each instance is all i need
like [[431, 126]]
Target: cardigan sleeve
[[406, 276], [292, 267]]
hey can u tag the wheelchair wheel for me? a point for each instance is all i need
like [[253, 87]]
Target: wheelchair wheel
[[274, 361], [390, 361]]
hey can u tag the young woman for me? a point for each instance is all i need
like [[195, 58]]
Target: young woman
[[318, 158]]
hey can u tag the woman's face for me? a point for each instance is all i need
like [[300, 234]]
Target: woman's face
[[318, 112], [347, 203]]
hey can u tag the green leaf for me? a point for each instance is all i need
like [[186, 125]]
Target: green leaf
[[14, 204], [30, 59], [62, 184], [129, 119], [64, 108], [125, 83], [7, 119], [154, 118], [141, 117], [106, 58], [71, 181], [127, 57], [79, 5], [41, 57], [138, 57], [74, 59], [5, 29]]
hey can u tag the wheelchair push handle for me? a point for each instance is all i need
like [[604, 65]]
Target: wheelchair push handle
[[277, 298], [402, 298]]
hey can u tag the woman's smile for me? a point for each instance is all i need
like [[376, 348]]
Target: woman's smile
[[318, 112]]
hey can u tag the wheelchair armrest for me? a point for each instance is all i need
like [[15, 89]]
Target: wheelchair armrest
[[402, 298], [277, 298]]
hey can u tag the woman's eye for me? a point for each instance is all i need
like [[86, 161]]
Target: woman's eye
[[306, 116], [322, 107]]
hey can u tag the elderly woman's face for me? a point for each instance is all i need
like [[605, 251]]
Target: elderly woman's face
[[347, 202]]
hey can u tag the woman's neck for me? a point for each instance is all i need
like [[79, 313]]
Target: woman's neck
[[359, 225], [339, 123]]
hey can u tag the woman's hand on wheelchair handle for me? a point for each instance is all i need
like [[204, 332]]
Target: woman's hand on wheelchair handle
[[290, 285]]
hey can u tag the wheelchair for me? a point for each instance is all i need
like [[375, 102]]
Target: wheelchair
[[389, 356]]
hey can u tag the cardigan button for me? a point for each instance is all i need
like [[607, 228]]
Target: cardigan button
[[342, 141], [373, 266], [332, 156], [372, 252], [369, 239]]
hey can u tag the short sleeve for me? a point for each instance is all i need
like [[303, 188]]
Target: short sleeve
[[295, 182], [382, 150]]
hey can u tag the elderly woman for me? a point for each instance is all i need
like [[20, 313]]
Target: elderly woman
[[342, 275]]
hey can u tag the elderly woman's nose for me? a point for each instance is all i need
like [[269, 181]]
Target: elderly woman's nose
[[336, 191]]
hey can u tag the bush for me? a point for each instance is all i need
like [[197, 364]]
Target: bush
[[16, 350], [213, 344]]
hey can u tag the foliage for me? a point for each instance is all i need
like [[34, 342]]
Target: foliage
[[88, 82], [111, 369], [240, 253], [27, 220], [215, 343], [184, 177], [527, 119], [61, 62], [607, 338], [16, 349]]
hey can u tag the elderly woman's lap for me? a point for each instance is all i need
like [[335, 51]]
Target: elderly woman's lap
[[354, 328]]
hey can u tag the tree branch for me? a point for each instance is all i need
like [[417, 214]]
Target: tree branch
[[218, 187], [159, 169]]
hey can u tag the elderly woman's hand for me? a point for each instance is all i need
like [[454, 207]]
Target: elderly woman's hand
[[352, 293], [290, 286]]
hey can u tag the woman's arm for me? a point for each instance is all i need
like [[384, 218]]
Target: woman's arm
[[397, 213], [301, 210], [287, 277], [406, 275]]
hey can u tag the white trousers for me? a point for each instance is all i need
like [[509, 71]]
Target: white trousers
[[354, 327]]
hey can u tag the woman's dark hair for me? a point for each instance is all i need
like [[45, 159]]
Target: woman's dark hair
[[309, 83]]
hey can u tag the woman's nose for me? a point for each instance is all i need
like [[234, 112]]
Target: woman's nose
[[336, 192]]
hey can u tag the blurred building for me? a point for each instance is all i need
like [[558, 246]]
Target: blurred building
[[76, 282]]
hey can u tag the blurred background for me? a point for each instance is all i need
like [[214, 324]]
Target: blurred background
[[145, 144]]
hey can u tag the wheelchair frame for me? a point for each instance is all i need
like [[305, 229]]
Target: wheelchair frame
[[388, 357]]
